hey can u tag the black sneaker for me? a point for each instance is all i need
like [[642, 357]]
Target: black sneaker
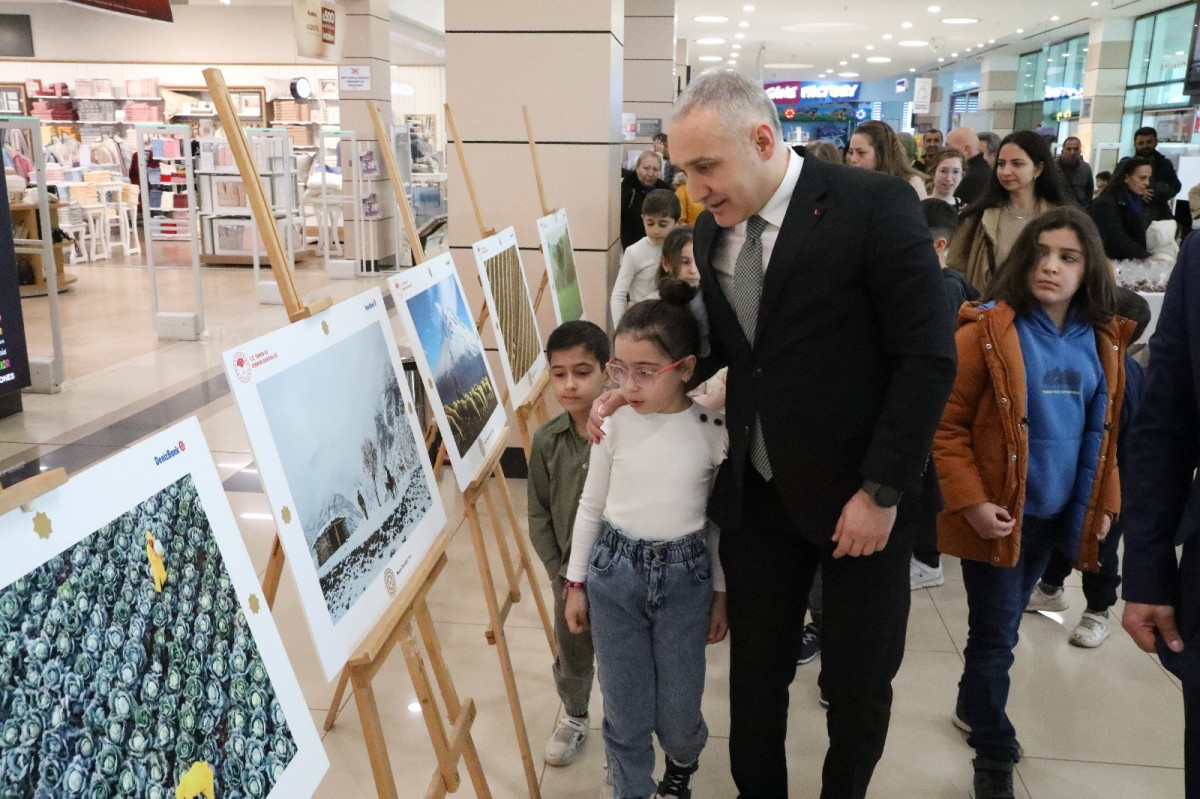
[[677, 781], [993, 779], [810, 644]]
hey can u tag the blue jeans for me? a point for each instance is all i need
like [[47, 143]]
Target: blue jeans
[[649, 603], [996, 600]]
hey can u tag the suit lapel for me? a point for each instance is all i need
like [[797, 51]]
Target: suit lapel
[[794, 242]]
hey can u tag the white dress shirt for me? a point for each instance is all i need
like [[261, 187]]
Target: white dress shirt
[[725, 257]]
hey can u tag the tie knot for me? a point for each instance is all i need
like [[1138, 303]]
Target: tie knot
[[755, 225]]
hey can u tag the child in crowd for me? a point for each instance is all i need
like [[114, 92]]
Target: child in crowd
[[1102, 179], [1028, 462], [1099, 588], [644, 569], [640, 263], [577, 352], [925, 568]]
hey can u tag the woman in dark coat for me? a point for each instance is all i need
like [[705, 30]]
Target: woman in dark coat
[[635, 185], [1120, 212]]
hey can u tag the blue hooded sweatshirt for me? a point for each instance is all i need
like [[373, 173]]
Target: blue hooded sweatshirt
[[1066, 397]]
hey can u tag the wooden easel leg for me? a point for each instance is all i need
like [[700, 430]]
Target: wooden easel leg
[[526, 564], [368, 713], [523, 428], [510, 571], [270, 584], [510, 679], [429, 709], [335, 706]]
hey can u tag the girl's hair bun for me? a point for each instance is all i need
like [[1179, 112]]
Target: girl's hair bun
[[676, 292]]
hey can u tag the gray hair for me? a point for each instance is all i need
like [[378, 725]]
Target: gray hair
[[740, 103], [644, 154], [990, 140]]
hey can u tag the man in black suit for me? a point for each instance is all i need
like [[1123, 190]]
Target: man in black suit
[[825, 301], [977, 172]]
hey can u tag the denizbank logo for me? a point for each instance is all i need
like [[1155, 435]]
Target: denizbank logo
[[179, 448]]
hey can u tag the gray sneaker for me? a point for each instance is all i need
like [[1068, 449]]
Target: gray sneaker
[[569, 735], [1047, 598]]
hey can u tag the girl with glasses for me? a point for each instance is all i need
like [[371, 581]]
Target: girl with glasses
[[644, 570]]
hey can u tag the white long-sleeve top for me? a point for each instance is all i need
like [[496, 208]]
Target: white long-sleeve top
[[650, 477], [637, 276]]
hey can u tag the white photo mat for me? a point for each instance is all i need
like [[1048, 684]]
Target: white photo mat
[[307, 428], [420, 293], [554, 234], [91, 504], [510, 310]]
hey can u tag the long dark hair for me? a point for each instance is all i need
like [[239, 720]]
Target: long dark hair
[[890, 157], [1116, 184], [1096, 296], [666, 323], [1045, 187]]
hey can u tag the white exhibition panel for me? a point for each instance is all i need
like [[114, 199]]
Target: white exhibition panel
[[559, 254]]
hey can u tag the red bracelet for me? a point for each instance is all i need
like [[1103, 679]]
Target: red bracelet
[[569, 584]]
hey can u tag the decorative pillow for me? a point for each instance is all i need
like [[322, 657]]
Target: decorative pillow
[[141, 88]]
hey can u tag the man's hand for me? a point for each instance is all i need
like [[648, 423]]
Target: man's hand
[[1148, 194], [718, 624], [863, 528], [604, 406], [990, 520], [576, 611], [1141, 621], [1105, 527]]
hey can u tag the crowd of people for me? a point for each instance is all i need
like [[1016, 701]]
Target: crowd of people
[[851, 372]]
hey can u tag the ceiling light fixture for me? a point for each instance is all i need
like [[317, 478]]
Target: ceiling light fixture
[[737, 47], [847, 74], [842, 63], [710, 58], [710, 40], [879, 59], [969, 49], [960, 20], [711, 19], [991, 41], [912, 69], [941, 60], [747, 8], [954, 55], [743, 24], [887, 37], [905, 24], [733, 55], [739, 36], [870, 47], [934, 9], [854, 55], [1054, 18], [788, 66], [913, 43], [1020, 30]]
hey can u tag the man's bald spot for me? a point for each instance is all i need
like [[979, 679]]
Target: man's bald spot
[[964, 139]]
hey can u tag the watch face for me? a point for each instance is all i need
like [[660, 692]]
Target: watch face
[[301, 88]]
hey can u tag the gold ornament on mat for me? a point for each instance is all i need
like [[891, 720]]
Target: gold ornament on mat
[[253, 603], [324, 327], [286, 514], [41, 525]]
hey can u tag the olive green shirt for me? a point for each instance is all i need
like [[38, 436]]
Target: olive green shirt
[[558, 463]]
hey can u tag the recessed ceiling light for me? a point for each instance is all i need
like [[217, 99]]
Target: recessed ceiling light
[[991, 41], [788, 66], [1054, 18], [733, 55], [1095, 3], [739, 36], [879, 59], [941, 60], [887, 37], [870, 47], [905, 24], [842, 63], [912, 69], [710, 40], [954, 55], [743, 24], [960, 20], [711, 19], [710, 58], [854, 55], [934, 9], [969, 49], [737, 47], [747, 8], [1020, 30], [913, 43], [847, 74]]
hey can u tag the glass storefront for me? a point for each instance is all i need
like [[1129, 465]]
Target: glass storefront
[[1157, 66], [1050, 88]]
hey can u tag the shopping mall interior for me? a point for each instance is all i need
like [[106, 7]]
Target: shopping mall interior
[[376, 144]]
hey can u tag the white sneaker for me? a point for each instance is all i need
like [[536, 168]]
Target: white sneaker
[[1041, 599], [1091, 631], [922, 576], [607, 791], [569, 735]]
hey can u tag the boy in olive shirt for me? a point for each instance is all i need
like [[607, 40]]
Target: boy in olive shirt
[[577, 353]]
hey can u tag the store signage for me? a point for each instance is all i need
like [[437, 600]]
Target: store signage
[[902, 86], [159, 10], [319, 27], [830, 90], [648, 128], [14, 359], [1063, 93], [787, 93], [922, 95], [354, 78]]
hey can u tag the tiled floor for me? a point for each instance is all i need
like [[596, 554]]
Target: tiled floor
[[1094, 723]]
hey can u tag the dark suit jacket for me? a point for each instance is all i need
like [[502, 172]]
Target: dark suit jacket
[[974, 184], [854, 355], [1161, 493]]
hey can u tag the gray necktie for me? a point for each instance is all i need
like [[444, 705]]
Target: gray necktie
[[747, 294]]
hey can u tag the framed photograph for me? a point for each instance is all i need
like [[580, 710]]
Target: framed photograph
[[510, 311], [450, 358], [137, 655], [560, 266], [342, 456]]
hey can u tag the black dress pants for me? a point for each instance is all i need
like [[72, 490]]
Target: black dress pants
[[769, 566]]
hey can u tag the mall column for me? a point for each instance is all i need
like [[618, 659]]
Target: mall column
[[367, 45], [650, 56], [998, 91], [1105, 75], [565, 62]]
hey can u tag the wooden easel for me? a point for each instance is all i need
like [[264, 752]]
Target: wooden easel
[[546, 210], [29, 489], [411, 604], [534, 406], [490, 473]]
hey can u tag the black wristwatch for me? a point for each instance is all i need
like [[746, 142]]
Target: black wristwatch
[[881, 495]]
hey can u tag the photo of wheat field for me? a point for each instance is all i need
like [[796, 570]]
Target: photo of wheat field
[[514, 311]]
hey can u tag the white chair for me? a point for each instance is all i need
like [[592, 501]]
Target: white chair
[[73, 221], [97, 222]]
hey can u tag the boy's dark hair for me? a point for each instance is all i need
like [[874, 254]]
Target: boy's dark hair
[[666, 323], [662, 137], [673, 244], [1105, 175], [579, 333], [941, 218], [662, 202], [1096, 294], [1133, 306]]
